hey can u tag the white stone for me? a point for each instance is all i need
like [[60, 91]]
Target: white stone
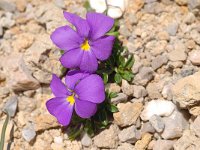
[[98, 5], [58, 140], [114, 12], [157, 107], [122, 4]]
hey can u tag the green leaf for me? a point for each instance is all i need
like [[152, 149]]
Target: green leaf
[[116, 34], [129, 63], [105, 78], [127, 75], [3, 131], [118, 78], [112, 108], [113, 94]]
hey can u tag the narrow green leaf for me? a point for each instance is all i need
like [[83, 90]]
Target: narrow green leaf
[[116, 34], [129, 63], [112, 108], [118, 78], [105, 78], [113, 94], [3, 131]]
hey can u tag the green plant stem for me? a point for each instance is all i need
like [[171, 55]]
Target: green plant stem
[[3, 131]]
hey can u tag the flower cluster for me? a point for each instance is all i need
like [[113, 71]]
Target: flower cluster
[[83, 48]]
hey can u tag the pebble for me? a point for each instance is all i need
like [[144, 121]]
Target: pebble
[[163, 145], [128, 113], [188, 140], [157, 107], [195, 57], [181, 2], [7, 20], [86, 140], [154, 90], [130, 135], [98, 5], [147, 128], [7, 6], [121, 97], [144, 76], [172, 28], [139, 91], [159, 61], [125, 146], [157, 122], [195, 126], [11, 106], [127, 88], [107, 138], [144, 142], [193, 4], [28, 134], [60, 3], [175, 124], [113, 87]]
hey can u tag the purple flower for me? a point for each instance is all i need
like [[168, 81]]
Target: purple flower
[[87, 44], [81, 91]]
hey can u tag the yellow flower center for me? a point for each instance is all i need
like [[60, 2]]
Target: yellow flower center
[[85, 46], [71, 99]]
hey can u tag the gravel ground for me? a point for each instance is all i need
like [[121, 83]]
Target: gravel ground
[[159, 110]]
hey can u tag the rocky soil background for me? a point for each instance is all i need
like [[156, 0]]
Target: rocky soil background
[[159, 110]]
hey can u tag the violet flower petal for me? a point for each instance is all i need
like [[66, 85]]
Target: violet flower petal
[[66, 38], [99, 24], [58, 88], [81, 24], [85, 109], [73, 77], [72, 58], [102, 47], [89, 62], [61, 109], [91, 89]]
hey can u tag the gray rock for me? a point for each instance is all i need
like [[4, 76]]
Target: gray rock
[[153, 90], [159, 61], [147, 128], [194, 4], [144, 76], [86, 140], [187, 72], [11, 106], [7, 20], [172, 28], [139, 91], [195, 126], [157, 122], [187, 141], [130, 135], [125, 146], [195, 57], [28, 133], [163, 145], [107, 138], [121, 97], [7, 5], [153, 8], [127, 88], [175, 124]]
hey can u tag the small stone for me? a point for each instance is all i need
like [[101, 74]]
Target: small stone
[[127, 88], [175, 124], [181, 2], [7, 6], [113, 87], [139, 91], [4, 92], [189, 18], [107, 138], [121, 97], [60, 3], [172, 28], [27, 104], [195, 36], [144, 142], [11, 106], [157, 107], [125, 146], [86, 140], [21, 5], [159, 61], [187, 141], [163, 35], [28, 134], [195, 126], [193, 4], [128, 113], [157, 123], [98, 5], [195, 57], [56, 146], [147, 128], [58, 140], [114, 12], [44, 122], [153, 90], [130, 135], [7, 20], [163, 145], [144, 76]]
